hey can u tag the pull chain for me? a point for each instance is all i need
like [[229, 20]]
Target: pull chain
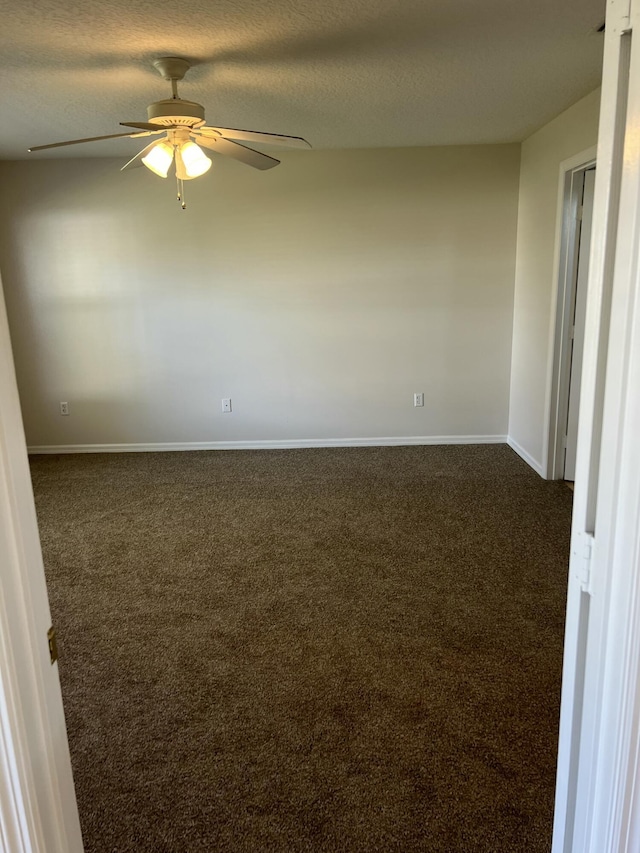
[[180, 190]]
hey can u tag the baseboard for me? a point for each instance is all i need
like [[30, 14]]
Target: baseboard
[[271, 444], [528, 458]]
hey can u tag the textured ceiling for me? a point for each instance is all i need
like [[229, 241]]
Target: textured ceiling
[[342, 73]]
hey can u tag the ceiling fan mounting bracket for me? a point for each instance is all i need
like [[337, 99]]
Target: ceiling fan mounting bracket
[[172, 67]]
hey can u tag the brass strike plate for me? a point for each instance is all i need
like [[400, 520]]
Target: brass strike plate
[[53, 646]]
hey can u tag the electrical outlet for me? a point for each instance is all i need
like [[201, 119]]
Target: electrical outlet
[[64, 408], [226, 404], [418, 399]]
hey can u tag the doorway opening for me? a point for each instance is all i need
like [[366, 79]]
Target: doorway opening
[[575, 220]]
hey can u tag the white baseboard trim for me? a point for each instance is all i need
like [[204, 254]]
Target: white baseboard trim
[[270, 444], [528, 458]]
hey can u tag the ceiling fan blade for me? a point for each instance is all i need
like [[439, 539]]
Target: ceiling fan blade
[[257, 136], [137, 160], [237, 151], [89, 139], [146, 125]]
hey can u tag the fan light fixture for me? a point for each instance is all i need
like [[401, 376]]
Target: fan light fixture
[[195, 161], [191, 161], [159, 159]]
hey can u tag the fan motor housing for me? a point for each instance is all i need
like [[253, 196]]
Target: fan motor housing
[[176, 111]]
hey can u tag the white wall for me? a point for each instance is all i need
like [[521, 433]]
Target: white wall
[[318, 296], [573, 131]]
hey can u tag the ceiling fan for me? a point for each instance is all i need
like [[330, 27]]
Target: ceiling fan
[[183, 129]]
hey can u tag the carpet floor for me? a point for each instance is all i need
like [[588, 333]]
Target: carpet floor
[[308, 650]]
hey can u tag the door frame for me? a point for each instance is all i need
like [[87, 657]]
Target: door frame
[[38, 811], [570, 184], [597, 792], [608, 795]]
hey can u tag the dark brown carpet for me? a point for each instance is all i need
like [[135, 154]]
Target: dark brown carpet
[[314, 650]]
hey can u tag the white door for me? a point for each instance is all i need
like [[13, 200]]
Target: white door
[[579, 314]]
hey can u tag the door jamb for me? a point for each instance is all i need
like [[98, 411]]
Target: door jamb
[[38, 811], [565, 263]]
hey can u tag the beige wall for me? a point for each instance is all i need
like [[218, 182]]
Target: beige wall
[[572, 132], [318, 296]]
